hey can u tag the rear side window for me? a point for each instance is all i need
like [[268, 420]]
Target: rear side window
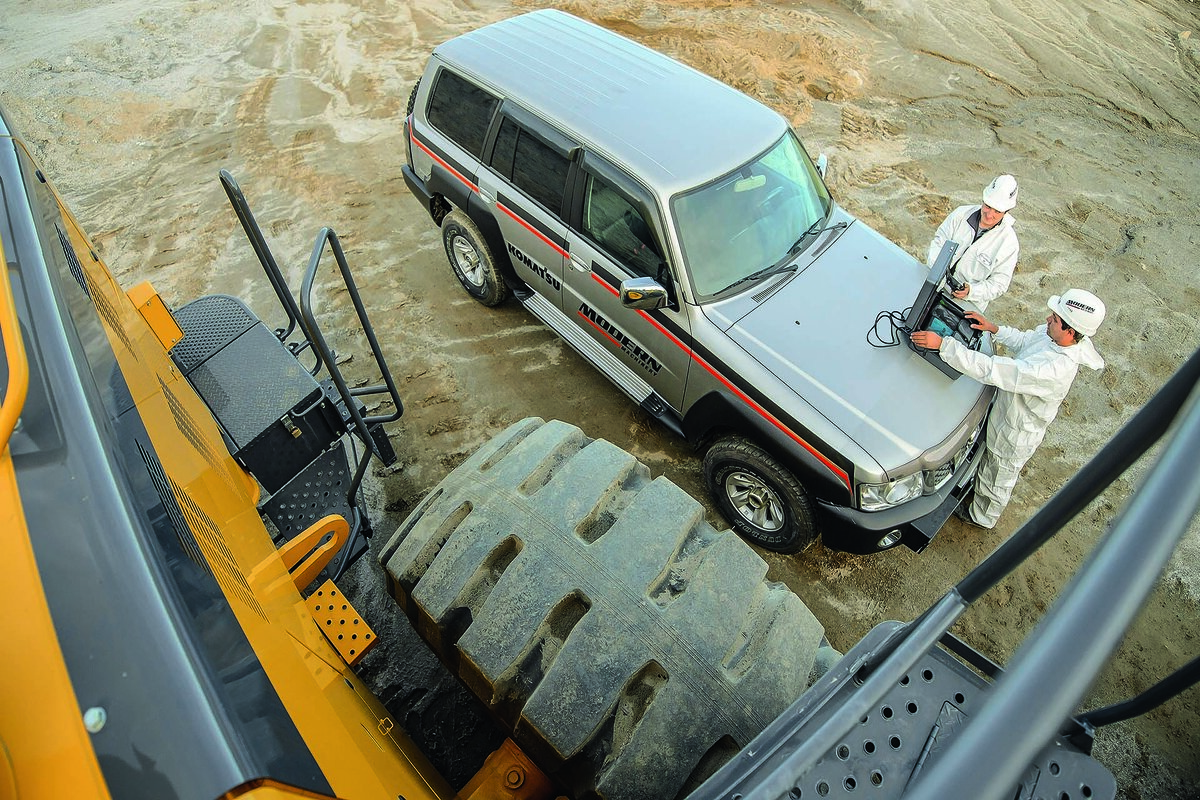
[[533, 166], [462, 111]]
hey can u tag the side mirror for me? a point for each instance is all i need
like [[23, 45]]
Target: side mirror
[[645, 294], [822, 164]]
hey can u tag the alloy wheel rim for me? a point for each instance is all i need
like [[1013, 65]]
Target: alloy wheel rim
[[754, 500], [466, 258]]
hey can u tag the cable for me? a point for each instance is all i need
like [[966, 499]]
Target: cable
[[896, 332]]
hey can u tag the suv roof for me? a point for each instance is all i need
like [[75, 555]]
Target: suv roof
[[664, 121]]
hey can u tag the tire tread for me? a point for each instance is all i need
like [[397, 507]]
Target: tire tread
[[619, 657]]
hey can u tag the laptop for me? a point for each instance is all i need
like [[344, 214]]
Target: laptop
[[934, 311]]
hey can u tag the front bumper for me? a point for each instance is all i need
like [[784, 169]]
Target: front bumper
[[917, 521]]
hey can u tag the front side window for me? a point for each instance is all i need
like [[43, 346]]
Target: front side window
[[620, 228], [751, 219], [533, 166], [462, 111]]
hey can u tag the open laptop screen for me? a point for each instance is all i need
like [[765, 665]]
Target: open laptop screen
[[918, 315]]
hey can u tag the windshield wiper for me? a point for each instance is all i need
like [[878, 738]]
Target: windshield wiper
[[782, 264], [813, 230], [765, 272]]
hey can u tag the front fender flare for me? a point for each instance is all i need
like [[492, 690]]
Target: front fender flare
[[822, 472]]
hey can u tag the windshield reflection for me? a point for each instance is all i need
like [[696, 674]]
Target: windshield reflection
[[747, 221]]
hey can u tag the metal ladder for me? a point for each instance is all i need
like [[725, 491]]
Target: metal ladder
[[288, 424]]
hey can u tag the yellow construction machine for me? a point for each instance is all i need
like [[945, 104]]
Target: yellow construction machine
[[183, 504]]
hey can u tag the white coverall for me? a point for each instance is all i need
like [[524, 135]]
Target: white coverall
[[1033, 382], [988, 264]]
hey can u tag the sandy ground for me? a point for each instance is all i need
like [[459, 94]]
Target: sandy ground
[[133, 107]]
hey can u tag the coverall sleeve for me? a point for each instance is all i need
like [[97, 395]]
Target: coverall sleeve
[[1014, 338], [1039, 376], [1004, 263], [943, 233]]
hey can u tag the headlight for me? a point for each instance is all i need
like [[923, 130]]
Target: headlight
[[876, 496]]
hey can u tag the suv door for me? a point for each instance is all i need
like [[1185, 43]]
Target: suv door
[[525, 184], [616, 234]]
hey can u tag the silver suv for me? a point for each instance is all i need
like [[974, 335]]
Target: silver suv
[[676, 233]]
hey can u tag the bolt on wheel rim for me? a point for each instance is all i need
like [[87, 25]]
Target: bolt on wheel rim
[[754, 500]]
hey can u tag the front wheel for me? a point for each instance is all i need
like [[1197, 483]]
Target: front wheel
[[762, 500], [472, 260]]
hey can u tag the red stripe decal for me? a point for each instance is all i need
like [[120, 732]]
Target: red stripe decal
[[475, 189], [605, 333], [532, 230], [767, 415], [439, 160]]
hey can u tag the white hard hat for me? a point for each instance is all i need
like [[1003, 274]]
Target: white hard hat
[[1001, 193], [1080, 309]]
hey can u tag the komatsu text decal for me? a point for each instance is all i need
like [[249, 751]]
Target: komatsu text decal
[[541, 271], [621, 340]]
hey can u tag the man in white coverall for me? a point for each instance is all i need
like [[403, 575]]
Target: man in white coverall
[[987, 243], [1032, 381]]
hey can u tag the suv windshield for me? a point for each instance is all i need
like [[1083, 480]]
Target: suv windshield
[[751, 219]]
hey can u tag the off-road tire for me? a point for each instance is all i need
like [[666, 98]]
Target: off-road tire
[[629, 647], [759, 497], [412, 99], [472, 260]]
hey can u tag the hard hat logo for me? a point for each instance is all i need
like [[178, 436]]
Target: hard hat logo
[[1080, 309], [1001, 193]]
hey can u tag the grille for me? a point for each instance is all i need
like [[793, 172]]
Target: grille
[[936, 477], [73, 262]]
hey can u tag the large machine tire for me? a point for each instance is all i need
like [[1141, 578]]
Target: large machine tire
[[630, 648]]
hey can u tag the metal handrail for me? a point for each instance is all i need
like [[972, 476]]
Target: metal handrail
[[1057, 663], [14, 352], [250, 225], [1182, 679], [313, 330], [304, 317]]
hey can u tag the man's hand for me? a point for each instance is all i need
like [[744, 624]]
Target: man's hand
[[926, 339], [980, 323], [962, 293]]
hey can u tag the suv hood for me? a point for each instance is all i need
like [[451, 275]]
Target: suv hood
[[812, 333]]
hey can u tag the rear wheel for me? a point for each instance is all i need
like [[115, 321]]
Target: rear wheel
[[472, 260], [762, 500], [629, 647]]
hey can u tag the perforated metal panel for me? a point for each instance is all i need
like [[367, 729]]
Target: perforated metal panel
[[909, 729], [317, 491], [209, 324], [342, 625], [885, 751]]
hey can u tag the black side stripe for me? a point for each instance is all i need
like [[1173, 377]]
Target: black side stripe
[[514, 206]]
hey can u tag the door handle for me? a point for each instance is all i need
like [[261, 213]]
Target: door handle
[[579, 265], [490, 199]]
